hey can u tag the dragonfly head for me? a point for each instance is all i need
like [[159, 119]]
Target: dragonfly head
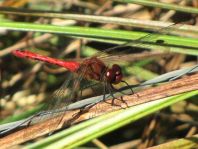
[[114, 74]]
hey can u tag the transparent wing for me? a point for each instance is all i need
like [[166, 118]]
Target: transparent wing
[[61, 95], [134, 57], [140, 42], [60, 99], [72, 90]]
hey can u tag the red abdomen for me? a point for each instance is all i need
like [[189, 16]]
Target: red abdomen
[[70, 65]]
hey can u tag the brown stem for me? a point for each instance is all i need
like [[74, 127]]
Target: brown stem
[[185, 84]]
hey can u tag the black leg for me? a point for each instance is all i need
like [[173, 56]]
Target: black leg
[[128, 86], [121, 98], [117, 90], [124, 102], [104, 91], [110, 88]]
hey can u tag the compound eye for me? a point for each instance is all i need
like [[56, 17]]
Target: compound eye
[[118, 79], [116, 68], [114, 75], [118, 74]]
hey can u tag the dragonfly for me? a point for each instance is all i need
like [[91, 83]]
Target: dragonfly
[[92, 69]]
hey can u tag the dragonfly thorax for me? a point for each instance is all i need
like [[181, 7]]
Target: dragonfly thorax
[[95, 69]]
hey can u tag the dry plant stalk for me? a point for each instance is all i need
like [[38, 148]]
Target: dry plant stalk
[[188, 83]]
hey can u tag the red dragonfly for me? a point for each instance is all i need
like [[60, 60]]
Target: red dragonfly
[[90, 69]]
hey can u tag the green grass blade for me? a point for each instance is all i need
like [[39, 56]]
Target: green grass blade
[[184, 143], [146, 24], [178, 44]]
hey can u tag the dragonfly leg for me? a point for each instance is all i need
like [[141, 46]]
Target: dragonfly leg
[[111, 88], [104, 92], [121, 98], [111, 92], [128, 86], [117, 90]]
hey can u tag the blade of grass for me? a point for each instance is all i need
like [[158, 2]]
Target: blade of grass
[[146, 24], [156, 4], [177, 43], [189, 142], [188, 51], [99, 33]]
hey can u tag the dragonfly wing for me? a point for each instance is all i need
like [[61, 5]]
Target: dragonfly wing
[[60, 99], [132, 46]]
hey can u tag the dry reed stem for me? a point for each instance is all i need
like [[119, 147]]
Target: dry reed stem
[[188, 83]]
